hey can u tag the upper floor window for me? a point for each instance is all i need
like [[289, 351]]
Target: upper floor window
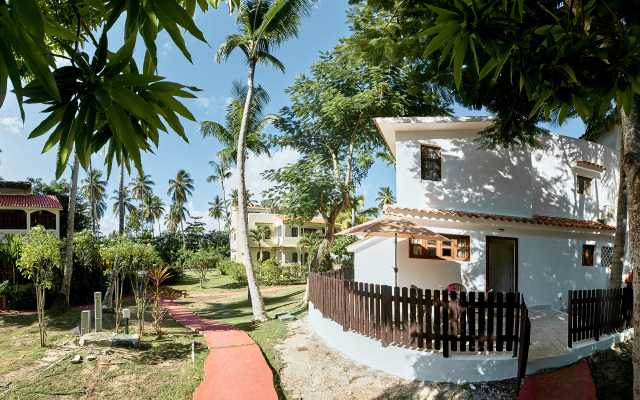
[[430, 163], [308, 230], [584, 185], [294, 231], [456, 248]]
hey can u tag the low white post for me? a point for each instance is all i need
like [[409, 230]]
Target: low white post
[[97, 300], [85, 322]]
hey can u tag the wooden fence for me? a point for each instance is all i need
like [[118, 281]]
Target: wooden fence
[[343, 274], [421, 319], [593, 313]]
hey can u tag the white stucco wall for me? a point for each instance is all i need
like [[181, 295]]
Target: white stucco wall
[[549, 261], [472, 180], [518, 183], [555, 178]]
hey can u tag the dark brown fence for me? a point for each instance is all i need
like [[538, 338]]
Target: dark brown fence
[[421, 319], [343, 274], [593, 313]]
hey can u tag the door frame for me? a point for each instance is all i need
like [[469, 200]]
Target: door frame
[[515, 261]]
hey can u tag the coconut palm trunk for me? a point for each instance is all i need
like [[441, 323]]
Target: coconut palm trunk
[[107, 302], [61, 303], [257, 304], [631, 165]]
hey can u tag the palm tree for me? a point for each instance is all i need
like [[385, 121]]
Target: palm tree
[[153, 210], [309, 242], [217, 209], [220, 173], [123, 200], [248, 198], [385, 156], [228, 133], [141, 187], [356, 214], [177, 215], [180, 189], [264, 25], [259, 235], [385, 196], [94, 188]]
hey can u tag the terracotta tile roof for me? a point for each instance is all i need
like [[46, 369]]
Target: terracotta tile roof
[[29, 200], [312, 221], [590, 164], [535, 220]]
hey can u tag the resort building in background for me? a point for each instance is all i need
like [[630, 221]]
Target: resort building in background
[[282, 240]]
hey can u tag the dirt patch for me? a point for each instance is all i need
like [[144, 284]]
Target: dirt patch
[[314, 370], [612, 372]]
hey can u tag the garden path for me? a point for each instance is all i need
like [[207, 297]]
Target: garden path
[[235, 368]]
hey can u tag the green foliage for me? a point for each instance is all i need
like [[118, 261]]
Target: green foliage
[[201, 261], [339, 250], [271, 273], [234, 270], [159, 291], [86, 248], [39, 255]]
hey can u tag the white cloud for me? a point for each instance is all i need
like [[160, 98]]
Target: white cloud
[[11, 124], [255, 166], [108, 224], [208, 103], [210, 223]]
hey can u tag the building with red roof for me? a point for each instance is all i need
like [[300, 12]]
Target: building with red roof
[[20, 209]]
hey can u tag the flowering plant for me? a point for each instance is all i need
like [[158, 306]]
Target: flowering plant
[[451, 288]]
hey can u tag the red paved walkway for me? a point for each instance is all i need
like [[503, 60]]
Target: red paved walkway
[[235, 368], [571, 383]]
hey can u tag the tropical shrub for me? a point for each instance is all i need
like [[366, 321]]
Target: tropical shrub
[[39, 255], [201, 261], [159, 291]]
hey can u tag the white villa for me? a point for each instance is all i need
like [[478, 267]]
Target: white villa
[[20, 209], [538, 221], [282, 241]]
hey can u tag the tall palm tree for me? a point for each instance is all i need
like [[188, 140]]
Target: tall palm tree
[[264, 25], [177, 215], [94, 188], [141, 187], [153, 210], [309, 242], [228, 133], [217, 209], [356, 213], [122, 199], [385, 196], [180, 189], [221, 173]]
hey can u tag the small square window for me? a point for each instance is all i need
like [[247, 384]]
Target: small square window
[[584, 185], [430, 163], [588, 252]]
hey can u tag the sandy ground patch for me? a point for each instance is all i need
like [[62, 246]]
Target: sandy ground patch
[[314, 370]]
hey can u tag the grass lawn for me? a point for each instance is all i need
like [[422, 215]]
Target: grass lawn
[[236, 310], [161, 369], [215, 283]]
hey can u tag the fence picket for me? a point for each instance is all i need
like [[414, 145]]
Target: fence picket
[[490, 316], [420, 314], [405, 316], [412, 317], [437, 318], [396, 316], [482, 337], [509, 322], [462, 310], [428, 312], [471, 313]]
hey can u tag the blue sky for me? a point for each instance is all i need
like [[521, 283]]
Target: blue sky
[[22, 158]]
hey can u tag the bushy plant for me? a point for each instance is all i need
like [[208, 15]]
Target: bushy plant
[[159, 291], [39, 255], [234, 270], [201, 261]]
